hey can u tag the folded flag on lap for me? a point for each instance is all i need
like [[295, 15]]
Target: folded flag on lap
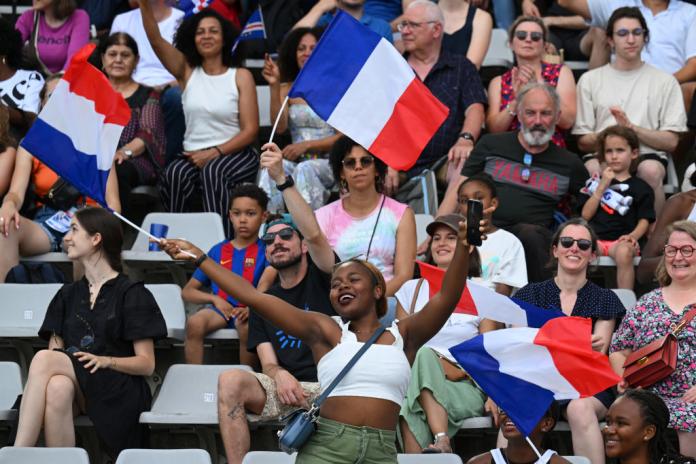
[[360, 84], [524, 369], [481, 301], [77, 132]]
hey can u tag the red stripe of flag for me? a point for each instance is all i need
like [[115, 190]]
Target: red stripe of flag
[[434, 276]]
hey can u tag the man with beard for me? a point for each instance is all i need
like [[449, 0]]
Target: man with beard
[[531, 175], [321, 15], [304, 261]]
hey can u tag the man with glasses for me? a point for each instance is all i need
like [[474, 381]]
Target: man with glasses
[[321, 15], [453, 79], [300, 253], [633, 94], [531, 175]]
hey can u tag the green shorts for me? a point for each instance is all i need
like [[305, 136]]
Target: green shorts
[[338, 443]]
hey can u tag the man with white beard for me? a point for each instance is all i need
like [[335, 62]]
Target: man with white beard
[[531, 175]]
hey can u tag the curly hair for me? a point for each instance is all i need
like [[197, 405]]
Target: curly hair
[[185, 39], [340, 150], [287, 52], [10, 44], [249, 190]]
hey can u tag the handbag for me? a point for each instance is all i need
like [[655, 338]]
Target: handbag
[[61, 196], [302, 422], [658, 359]]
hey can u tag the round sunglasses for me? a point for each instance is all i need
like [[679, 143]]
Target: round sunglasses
[[351, 163]]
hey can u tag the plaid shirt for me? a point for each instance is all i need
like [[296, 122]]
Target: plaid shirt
[[455, 81]]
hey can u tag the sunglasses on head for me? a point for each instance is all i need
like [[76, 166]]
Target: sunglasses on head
[[583, 243], [534, 35], [637, 32], [351, 163], [284, 234]]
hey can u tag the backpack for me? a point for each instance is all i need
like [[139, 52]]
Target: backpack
[[35, 273]]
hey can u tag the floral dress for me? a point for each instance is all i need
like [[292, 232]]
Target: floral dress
[[550, 73], [647, 321]]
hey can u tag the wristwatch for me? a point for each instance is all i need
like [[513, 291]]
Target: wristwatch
[[467, 136], [289, 182], [128, 153]]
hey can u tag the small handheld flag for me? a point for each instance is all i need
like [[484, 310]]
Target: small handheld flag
[[253, 29]]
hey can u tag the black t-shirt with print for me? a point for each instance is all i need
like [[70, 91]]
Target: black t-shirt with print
[[553, 173], [311, 294]]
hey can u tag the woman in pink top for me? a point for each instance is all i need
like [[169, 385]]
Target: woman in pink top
[[62, 30], [365, 221]]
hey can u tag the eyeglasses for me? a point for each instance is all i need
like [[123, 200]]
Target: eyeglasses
[[637, 32], [583, 243], [534, 35], [411, 25], [285, 234], [526, 173], [686, 251], [351, 163]]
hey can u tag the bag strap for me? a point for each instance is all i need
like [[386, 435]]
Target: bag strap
[[374, 229], [415, 296], [686, 320], [348, 367]]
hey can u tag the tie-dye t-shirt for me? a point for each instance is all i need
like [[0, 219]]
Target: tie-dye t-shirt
[[350, 236]]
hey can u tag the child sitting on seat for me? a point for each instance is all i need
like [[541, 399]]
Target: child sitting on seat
[[618, 233], [245, 255]]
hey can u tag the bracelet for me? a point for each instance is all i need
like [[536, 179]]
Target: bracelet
[[112, 363], [200, 260], [218, 150]]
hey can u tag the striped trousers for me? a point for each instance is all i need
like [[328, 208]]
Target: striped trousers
[[182, 181]]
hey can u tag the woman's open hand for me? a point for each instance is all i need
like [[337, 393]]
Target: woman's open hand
[[92, 362]]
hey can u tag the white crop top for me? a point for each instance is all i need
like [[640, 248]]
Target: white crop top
[[382, 372]]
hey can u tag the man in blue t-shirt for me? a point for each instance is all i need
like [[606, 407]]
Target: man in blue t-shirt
[[322, 14]]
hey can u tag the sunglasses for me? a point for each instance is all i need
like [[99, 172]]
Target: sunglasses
[[351, 163], [583, 243], [637, 32], [526, 172], [284, 234], [686, 251], [534, 35]]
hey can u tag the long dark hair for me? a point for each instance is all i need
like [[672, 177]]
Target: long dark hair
[[287, 52], [10, 44], [99, 221], [185, 39]]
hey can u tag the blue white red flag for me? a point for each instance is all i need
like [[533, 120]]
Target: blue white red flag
[[359, 83], [481, 301], [191, 7], [77, 132], [253, 29], [524, 369]]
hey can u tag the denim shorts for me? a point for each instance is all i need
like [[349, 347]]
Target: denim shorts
[[54, 237]]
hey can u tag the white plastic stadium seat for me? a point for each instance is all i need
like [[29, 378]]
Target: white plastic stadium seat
[[499, 53], [163, 456], [188, 395], [608, 261], [10, 387], [627, 297], [422, 221], [447, 458], [11, 455], [24, 308], [168, 297], [263, 97], [577, 459], [269, 457]]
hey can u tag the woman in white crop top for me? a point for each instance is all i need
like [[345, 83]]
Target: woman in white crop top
[[358, 421], [220, 109]]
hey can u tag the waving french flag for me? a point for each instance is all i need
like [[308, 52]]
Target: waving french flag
[[77, 131], [524, 369], [358, 83], [481, 301]]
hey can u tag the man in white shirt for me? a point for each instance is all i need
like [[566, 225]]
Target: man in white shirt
[[150, 70], [633, 94]]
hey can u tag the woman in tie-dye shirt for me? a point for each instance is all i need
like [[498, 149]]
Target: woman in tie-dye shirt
[[366, 222]]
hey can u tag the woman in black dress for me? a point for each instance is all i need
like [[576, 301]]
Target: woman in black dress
[[101, 332]]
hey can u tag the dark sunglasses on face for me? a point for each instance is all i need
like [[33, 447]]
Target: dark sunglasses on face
[[284, 234], [583, 243], [637, 32], [534, 35], [351, 163]]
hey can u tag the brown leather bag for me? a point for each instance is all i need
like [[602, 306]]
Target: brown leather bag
[[658, 359]]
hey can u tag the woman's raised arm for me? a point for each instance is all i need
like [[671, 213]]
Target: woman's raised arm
[[171, 58]]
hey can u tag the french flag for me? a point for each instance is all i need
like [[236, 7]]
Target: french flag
[[524, 369], [359, 84], [77, 131], [481, 301]]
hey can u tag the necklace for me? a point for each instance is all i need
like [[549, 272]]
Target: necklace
[[95, 286]]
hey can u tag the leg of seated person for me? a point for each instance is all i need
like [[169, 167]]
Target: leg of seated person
[[179, 182], [238, 392], [594, 45], [536, 240], [29, 240], [583, 415], [44, 366], [128, 178], [687, 443], [623, 253], [59, 428], [198, 326], [653, 172], [593, 167], [437, 418], [174, 122], [220, 175], [410, 443], [245, 357]]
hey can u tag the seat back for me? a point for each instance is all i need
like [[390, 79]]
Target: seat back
[[499, 53], [627, 297], [11, 384], [422, 221], [577, 459], [269, 457], [12, 455], [446, 458], [163, 456], [24, 308], [168, 297], [202, 229]]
